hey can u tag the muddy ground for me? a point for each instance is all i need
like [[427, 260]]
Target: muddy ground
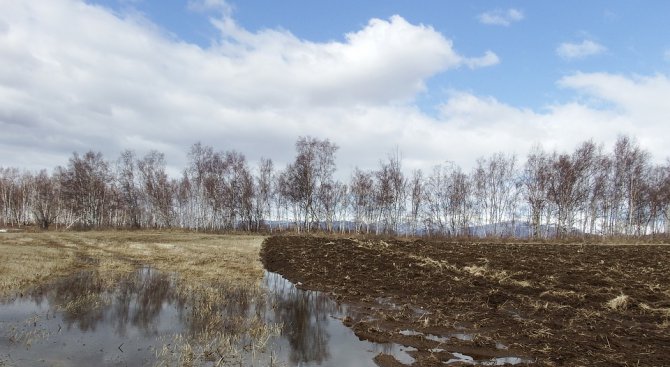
[[540, 304]]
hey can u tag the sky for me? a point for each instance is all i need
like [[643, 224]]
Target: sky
[[438, 81]]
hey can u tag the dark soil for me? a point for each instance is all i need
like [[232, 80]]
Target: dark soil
[[544, 304]]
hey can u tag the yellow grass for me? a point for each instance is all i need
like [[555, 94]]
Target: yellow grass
[[211, 270], [28, 259], [619, 303]]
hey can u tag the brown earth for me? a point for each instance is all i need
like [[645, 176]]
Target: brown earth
[[544, 304]]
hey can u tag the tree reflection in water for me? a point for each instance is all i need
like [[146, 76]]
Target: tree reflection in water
[[148, 306], [149, 290], [305, 316], [85, 302]]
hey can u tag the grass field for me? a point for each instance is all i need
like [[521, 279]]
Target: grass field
[[212, 272], [28, 259]]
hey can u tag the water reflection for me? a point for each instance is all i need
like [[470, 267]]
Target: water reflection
[[83, 302], [313, 330], [305, 318], [87, 320]]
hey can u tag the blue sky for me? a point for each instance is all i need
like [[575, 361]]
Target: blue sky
[[439, 80], [631, 31]]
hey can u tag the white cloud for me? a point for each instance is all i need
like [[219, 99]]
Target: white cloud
[[488, 59], [75, 76], [571, 51], [611, 105], [501, 17], [641, 98], [209, 5]]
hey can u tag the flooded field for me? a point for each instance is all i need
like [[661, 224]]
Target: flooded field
[[131, 298], [145, 320], [165, 299], [78, 321]]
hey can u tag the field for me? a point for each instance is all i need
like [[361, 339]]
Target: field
[[466, 303], [457, 303], [128, 279]]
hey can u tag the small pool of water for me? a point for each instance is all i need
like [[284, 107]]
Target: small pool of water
[[313, 333], [78, 321], [500, 361]]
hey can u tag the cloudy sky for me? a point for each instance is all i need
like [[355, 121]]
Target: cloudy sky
[[438, 80]]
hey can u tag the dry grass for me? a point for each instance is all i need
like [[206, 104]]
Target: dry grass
[[665, 311], [85, 303], [619, 303], [563, 294], [212, 271], [28, 259], [500, 276]]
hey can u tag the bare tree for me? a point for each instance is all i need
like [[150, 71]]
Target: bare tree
[[449, 200], [158, 188], [185, 203], [536, 176], [264, 192], [342, 205], [245, 197], [198, 173], [390, 193], [664, 195], [313, 168], [417, 195], [46, 194], [436, 199], [496, 187], [15, 190], [630, 163], [283, 197], [459, 202], [585, 191], [84, 186], [362, 199], [599, 204], [129, 187], [562, 189], [656, 195]]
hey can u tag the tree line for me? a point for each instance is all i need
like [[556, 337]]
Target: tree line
[[550, 194]]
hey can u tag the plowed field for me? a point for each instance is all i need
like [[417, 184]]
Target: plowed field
[[541, 304]]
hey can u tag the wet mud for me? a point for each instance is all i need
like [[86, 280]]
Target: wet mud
[[464, 304]]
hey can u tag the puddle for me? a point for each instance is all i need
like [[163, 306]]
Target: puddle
[[388, 303], [440, 339], [501, 346], [313, 333], [501, 361], [463, 358], [77, 321]]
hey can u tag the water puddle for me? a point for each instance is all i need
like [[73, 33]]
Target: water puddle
[[460, 358], [313, 333], [440, 339], [77, 321], [82, 320], [502, 361]]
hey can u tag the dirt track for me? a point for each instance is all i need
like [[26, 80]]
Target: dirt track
[[554, 305]]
